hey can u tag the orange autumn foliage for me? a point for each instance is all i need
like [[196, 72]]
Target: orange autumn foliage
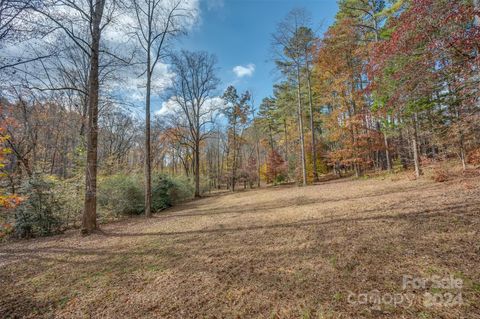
[[6, 200]]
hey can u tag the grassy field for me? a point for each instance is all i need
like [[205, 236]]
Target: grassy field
[[283, 252]]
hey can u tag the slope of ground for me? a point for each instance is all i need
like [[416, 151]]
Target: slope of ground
[[283, 252]]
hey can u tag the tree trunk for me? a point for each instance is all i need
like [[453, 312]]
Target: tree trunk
[[312, 127], [416, 158], [286, 139], [462, 155], [258, 163], [462, 150], [89, 220], [300, 128], [148, 158], [461, 139], [84, 115], [286, 148], [234, 162], [387, 152], [197, 168], [219, 172]]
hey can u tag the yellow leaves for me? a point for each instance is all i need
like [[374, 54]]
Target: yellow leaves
[[6, 201], [10, 201], [263, 172], [52, 178]]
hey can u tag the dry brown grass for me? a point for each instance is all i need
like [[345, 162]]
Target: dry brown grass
[[283, 252]]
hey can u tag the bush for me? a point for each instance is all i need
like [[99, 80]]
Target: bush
[[167, 190], [206, 185], [124, 195], [183, 189], [50, 204], [474, 157], [121, 194], [281, 178], [440, 175], [6, 229], [397, 165], [39, 213], [70, 194]]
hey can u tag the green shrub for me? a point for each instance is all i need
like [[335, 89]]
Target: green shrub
[[51, 204], [39, 213], [279, 179], [70, 194], [183, 189], [397, 165], [161, 186], [124, 195], [206, 185], [121, 194], [168, 190]]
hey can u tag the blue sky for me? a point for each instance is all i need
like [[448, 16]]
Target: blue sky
[[239, 32]]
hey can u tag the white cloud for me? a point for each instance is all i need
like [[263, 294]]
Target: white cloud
[[211, 106], [132, 88], [169, 107], [117, 38], [247, 70], [125, 23]]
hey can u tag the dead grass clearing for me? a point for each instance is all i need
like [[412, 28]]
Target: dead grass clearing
[[283, 252]]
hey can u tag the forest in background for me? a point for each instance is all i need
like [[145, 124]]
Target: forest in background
[[391, 85]]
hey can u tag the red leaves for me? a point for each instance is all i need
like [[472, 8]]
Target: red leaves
[[431, 30], [432, 42], [275, 166]]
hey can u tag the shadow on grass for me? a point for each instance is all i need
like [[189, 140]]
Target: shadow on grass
[[301, 263]]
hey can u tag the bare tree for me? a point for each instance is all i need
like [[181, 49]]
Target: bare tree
[[89, 221], [192, 90], [156, 22], [13, 29], [117, 131], [83, 23], [9, 11]]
